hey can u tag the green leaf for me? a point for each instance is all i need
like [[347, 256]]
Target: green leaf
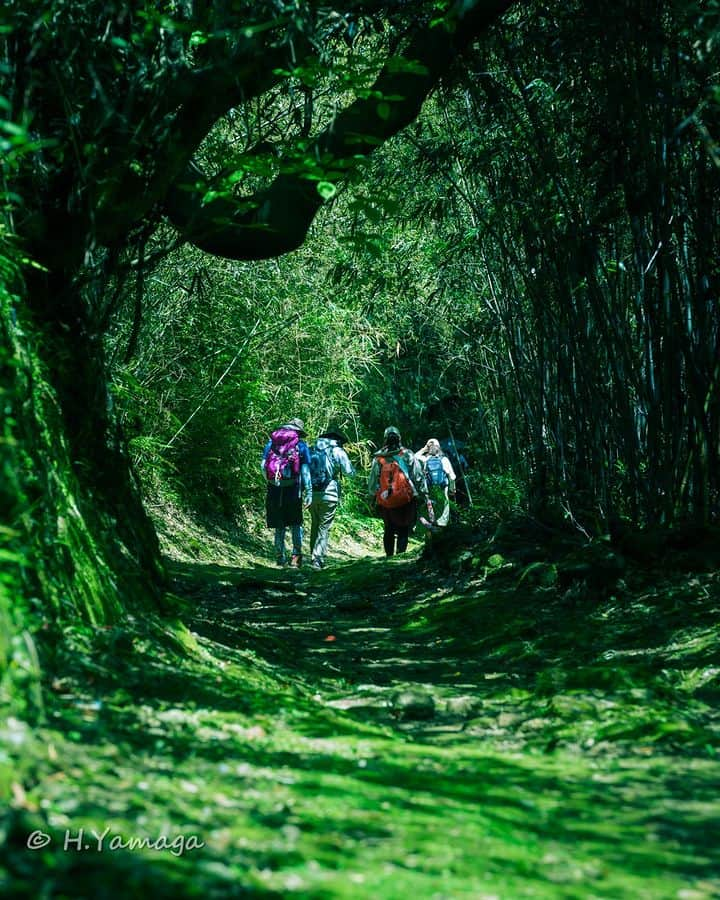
[[197, 38], [326, 189], [383, 110]]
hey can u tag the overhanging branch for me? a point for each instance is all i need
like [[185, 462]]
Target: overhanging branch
[[276, 220], [191, 105]]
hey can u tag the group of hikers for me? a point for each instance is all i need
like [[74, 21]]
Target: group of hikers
[[403, 487]]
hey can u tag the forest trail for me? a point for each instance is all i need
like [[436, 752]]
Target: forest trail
[[489, 221], [556, 753], [456, 728], [347, 629]]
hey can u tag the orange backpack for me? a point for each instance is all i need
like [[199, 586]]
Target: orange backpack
[[395, 488]]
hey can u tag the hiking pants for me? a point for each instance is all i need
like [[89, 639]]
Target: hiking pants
[[398, 523], [322, 514], [393, 532], [297, 537], [441, 504]]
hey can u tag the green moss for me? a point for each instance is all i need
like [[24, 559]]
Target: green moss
[[563, 743], [292, 796], [538, 768], [60, 560]]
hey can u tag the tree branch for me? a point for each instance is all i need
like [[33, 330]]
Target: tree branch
[[276, 220], [184, 112]]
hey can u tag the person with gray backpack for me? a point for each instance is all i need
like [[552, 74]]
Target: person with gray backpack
[[329, 463]]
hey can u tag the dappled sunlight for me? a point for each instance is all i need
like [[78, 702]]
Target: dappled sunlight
[[348, 721], [359, 450]]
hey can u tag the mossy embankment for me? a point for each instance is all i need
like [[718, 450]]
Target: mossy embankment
[[62, 559], [500, 720]]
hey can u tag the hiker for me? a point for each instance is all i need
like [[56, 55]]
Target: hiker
[[454, 450], [329, 463], [440, 478], [286, 464], [396, 481]]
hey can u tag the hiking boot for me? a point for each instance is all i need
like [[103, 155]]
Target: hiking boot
[[281, 559], [316, 564], [296, 560]]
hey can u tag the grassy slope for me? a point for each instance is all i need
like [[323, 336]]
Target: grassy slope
[[570, 752]]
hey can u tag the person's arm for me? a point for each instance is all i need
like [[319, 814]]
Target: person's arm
[[265, 452], [450, 472], [343, 462], [306, 483], [373, 482], [305, 480], [417, 473]]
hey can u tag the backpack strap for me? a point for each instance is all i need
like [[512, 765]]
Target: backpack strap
[[403, 465]]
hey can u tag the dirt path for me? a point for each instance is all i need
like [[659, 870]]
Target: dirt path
[[381, 729], [346, 630]]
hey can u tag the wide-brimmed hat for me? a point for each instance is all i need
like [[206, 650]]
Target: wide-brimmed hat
[[334, 436], [297, 425]]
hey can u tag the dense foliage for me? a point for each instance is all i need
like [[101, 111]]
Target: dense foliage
[[530, 267], [484, 220], [116, 104]]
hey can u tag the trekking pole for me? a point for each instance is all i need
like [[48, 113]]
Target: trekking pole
[[457, 457]]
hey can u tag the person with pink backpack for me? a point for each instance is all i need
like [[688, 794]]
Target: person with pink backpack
[[286, 465]]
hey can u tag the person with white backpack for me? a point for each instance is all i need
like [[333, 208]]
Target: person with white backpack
[[440, 477], [329, 464]]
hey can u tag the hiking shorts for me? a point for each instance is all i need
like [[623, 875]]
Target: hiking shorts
[[283, 506]]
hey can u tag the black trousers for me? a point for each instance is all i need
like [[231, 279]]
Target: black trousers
[[398, 523], [283, 506]]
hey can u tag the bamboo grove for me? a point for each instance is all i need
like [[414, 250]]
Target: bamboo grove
[[581, 209], [532, 263], [592, 209], [493, 218]]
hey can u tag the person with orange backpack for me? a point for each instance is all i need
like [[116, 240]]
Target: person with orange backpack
[[286, 464], [395, 484]]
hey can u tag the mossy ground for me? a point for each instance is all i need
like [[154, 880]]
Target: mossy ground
[[563, 744]]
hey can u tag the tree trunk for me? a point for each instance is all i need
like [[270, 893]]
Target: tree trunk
[[108, 495]]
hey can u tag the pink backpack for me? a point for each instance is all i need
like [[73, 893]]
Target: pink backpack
[[283, 460]]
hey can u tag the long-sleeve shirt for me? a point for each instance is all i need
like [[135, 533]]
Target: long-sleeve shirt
[[341, 465]]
